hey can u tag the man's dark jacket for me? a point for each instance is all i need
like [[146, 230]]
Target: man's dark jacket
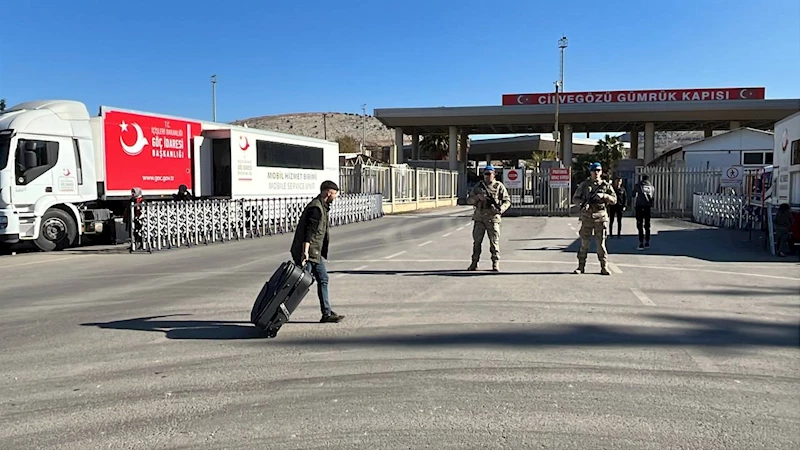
[[312, 228]]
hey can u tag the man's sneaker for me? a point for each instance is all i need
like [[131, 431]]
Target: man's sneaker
[[495, 266], [641, 247], [331, 318], [646, 245], [604, 271], [473, 266], [579, 270]]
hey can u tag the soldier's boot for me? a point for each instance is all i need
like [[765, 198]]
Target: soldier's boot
[[581, 268], [473, 266], [604, 270], [495, 266]]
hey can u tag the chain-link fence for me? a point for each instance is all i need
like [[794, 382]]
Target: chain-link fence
[[176, 224]]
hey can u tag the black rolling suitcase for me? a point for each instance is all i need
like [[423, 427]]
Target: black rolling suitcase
[[280, 296]]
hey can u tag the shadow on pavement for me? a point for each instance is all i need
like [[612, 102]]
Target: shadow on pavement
[[733, 292], [446, 273], [694, 332], [187, 329], [717, 245]]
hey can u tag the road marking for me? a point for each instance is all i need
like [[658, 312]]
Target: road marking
[[703, 362], [523, 261], [614, 268], [39, 261], [447, 234], [642, 297], [460, 228], [723, 272], [396, 254], [425, 243]]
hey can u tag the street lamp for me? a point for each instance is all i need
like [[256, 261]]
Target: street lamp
[[557, 133], [214, 98], [562, 44]]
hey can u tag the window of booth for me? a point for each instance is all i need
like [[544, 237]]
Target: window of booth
[[292, 156]]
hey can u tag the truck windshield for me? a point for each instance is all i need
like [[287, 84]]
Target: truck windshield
[[5, 145]]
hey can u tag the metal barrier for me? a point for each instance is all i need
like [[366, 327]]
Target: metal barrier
[[399, 183], [426, 184], [176, 224], [404, 180], [537, 198], [719, 210], [676, 186], [361, 179]]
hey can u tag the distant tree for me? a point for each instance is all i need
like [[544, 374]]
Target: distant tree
[[607, 152], [538, 157], [2, 104], [347, 144], [434, 146]]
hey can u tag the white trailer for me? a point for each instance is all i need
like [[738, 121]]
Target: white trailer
[[64, 174]]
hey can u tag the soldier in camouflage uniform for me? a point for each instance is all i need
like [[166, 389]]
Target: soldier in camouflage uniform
[[487, 214], [594, 195]]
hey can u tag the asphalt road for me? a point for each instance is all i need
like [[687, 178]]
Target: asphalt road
[[694, 344]]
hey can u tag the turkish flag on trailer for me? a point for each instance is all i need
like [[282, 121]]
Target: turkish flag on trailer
[[153, 153]]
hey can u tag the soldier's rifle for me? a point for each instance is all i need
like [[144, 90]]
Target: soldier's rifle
[[592, 200], [489, 198]]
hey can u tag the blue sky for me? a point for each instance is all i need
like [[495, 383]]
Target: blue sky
[[276, 57]]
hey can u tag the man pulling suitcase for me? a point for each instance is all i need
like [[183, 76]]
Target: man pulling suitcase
[[310, 245]]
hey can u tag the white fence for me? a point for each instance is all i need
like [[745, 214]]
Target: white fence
[[537, 198], [176, 224], [399, 183], [675, 188]]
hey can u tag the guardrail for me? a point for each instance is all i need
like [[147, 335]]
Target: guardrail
[[177, 224]]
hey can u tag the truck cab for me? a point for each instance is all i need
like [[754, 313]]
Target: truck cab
[[47, 172]]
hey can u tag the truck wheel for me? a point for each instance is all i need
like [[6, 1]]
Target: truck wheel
[[58, 231]]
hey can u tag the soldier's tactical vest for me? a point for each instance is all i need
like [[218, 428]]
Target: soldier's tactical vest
[[597, 212], [483, 209]]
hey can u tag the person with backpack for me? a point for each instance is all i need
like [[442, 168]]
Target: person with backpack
[[643, 197]]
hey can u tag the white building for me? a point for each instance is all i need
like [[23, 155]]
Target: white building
[[746, 147]]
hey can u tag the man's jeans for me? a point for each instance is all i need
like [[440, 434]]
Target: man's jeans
[[320, 273]]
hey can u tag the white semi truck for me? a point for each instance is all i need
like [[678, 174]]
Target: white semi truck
[[65, 174]]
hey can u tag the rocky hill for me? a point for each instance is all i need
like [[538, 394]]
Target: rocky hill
[[316, 125], [348, 124]]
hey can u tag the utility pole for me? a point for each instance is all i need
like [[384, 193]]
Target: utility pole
[[214, 98], [363, 127], [325, 125], [557, 133], [562, 44]]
